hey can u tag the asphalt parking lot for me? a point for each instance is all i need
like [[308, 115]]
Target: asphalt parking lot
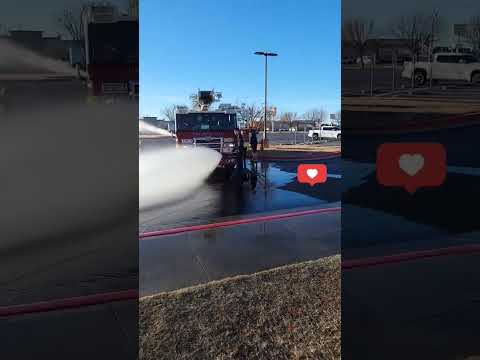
[[387, 81]]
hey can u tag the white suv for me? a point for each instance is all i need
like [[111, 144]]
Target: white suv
[[326, 132], [445, 66]]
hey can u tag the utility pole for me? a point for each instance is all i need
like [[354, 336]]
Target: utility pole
[[372, 70], [394, 62], [430, 52]]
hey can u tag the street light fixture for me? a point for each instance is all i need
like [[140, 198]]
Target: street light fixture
[[266, 54]]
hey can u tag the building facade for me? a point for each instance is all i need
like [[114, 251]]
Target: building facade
[[50, 46]]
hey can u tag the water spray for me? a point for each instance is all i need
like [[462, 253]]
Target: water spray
[[147, 129], [166, 175]]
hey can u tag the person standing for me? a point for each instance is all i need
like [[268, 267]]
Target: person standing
[[241, 150], [254, 141]]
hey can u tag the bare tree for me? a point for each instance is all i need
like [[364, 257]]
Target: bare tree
[[71, 20], [288, 118], [338, 117], [251, 115], [472, 33], [169, 112], [315, 115], [356, 33], [415, 29]]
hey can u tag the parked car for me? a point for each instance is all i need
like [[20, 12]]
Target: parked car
[[348, 60], [445, 66], [464, 50], [326, 132], [367, 60], [442, 49]]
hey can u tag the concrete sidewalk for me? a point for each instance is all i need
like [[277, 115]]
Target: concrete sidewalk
[[177, 261]]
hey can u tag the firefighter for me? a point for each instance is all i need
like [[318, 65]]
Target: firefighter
[[243, 148], [240, 162], [254, 142]]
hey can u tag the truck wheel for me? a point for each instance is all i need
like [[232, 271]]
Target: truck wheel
[[419, 77], [339, 136], [476, 78], [227, 173], [315, 137]]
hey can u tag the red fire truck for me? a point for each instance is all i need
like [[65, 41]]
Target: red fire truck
[[111, 52], [217, 130]]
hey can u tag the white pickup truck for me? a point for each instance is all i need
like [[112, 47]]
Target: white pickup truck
[[326, 132], [445, 66]]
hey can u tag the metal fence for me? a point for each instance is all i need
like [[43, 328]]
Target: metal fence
[[291, 138]]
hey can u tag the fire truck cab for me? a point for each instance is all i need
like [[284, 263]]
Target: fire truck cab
[[111, 54], [217, 130]]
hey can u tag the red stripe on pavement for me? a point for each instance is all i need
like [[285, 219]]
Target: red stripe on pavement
[[235, 222], [410, 256], [68, 303]]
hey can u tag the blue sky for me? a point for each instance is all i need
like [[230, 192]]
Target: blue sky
[[184, 47]]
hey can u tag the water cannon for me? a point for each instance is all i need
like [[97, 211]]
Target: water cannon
[[204, 98]]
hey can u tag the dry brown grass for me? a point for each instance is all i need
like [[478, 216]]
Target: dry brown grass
[[292, 312]]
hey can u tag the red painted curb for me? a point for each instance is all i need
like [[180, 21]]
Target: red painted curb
[[410, 256], [68, 303], [235, 222]]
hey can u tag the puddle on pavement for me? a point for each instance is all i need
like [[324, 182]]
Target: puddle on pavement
[[276, 189]]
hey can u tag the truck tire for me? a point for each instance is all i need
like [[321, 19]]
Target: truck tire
[[316, 137], [227, 174], [339, 137], [475, 78], [420, 77]]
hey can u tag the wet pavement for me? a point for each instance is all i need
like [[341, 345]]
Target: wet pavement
[[424, 309], [380, 220], [181, 260], [276, 189], [99, 331]]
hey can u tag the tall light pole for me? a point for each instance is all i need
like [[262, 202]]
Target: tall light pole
[[266, 54], [430, 50]]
